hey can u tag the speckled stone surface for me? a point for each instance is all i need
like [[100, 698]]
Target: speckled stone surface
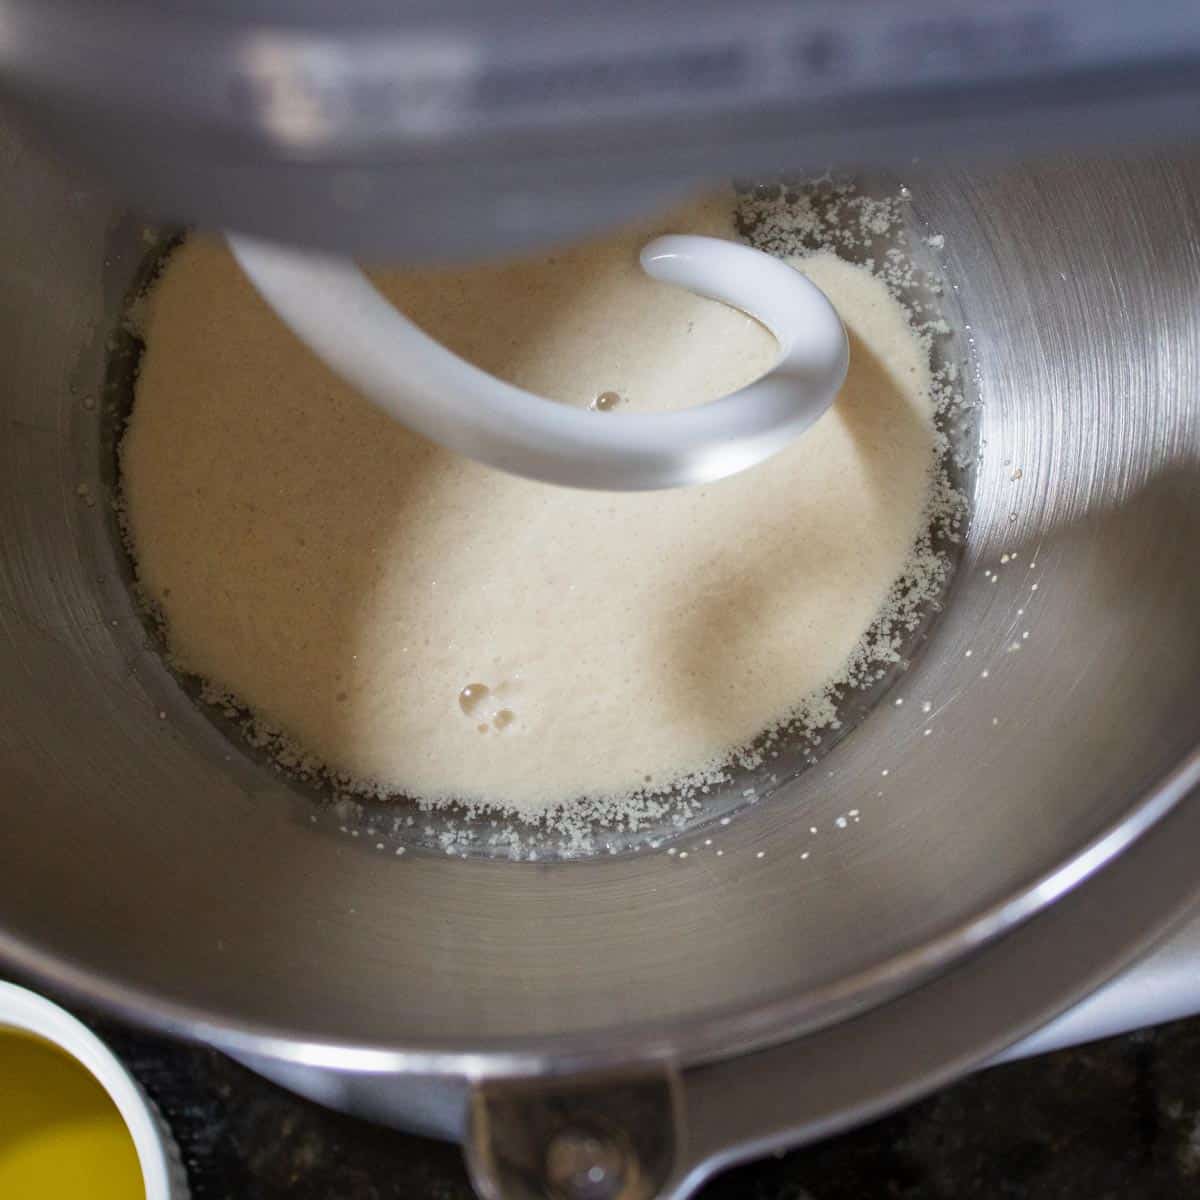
[[1118, 1119]]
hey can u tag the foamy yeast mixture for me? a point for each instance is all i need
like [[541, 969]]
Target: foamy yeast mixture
[[425, 625]]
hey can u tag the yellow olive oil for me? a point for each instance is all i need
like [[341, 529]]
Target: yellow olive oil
[[61, 1136]]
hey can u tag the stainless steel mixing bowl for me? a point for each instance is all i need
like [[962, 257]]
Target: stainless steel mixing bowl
[[149, 864]]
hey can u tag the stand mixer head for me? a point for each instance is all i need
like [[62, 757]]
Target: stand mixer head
[[466, 128]]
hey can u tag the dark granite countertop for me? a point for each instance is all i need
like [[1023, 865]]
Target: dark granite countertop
[[1118, 1119]]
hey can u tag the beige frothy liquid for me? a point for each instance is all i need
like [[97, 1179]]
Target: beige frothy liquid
[[425, 625]]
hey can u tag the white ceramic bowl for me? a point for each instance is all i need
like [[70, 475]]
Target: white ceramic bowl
[[162, 1171]]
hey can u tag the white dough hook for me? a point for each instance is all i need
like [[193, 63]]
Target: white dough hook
[[331, 305]]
